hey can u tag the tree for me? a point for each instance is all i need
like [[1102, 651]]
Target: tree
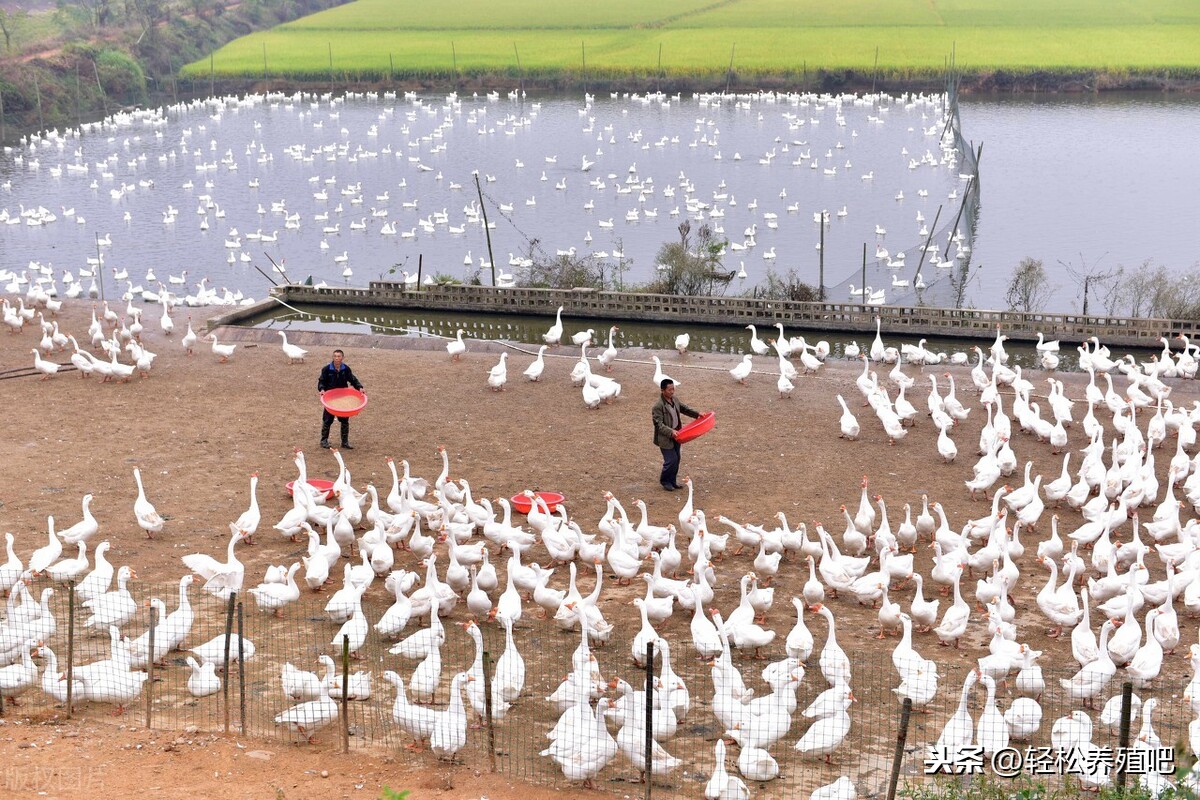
[[687, 271], [1090, 278], [11, 22], [1030, 286]]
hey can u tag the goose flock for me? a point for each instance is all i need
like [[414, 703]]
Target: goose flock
[[367, 172], [1101, 518]]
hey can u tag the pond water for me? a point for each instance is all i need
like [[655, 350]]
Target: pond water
[[350, 190]]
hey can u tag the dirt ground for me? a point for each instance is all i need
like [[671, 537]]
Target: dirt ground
[[197, 429]]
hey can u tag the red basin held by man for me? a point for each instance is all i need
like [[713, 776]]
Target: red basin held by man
[[697, 428], [346, 402]]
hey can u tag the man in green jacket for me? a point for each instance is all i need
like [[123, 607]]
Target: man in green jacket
[[666, 422]]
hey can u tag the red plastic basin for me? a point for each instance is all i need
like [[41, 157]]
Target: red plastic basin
[[697, 428], [318, 484], [335, 402], [523, 504]]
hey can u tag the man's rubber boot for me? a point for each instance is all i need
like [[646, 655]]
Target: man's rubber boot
[[325, 434], [346, 445]]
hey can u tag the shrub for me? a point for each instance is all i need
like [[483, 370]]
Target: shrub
[[121, 76], [1030, 286], [687, 271]]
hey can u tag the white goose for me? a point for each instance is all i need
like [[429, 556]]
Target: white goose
[[113, 608], [222, 351], [310, 717], [84, 529], [554, 334], [293, 353], [148, 519], [221, 579], [48, 553], [534, 371]]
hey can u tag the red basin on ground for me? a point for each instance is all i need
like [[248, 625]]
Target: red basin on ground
[[523, 504], [316, 483], [341, 402], [697, 428]]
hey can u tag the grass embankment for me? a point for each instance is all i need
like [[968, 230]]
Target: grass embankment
[[622, 38]]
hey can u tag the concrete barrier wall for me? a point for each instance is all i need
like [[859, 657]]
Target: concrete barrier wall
[[850, 317]]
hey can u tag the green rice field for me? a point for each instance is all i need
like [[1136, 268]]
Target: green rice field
[[615, 38]]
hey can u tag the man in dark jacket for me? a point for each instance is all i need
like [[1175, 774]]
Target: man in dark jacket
[[666, 422], [336, 375]]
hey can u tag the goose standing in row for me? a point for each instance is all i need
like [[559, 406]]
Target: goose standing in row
[[534, 371]]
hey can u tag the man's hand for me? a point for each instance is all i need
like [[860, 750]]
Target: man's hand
[[320, 392], [674, 434]]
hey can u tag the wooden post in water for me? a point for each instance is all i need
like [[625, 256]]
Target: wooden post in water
[[583, 62], [520, 77], [729, 70], [875, 69], [658, 83], [38, 91], [865, 297], [212, 76], [487, 231], [928, 239], [954, 227], [1, 143], [821, 261], [420, 265], [391, 68], [100, 267], [264, 58], [330, 46], [454, 60]]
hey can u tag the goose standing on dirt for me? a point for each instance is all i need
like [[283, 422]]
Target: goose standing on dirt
[[456, 347], [294, 354], [554, 335], [498, 375], [224, 351], [84, 529], [148, 519], [610, 353], [534, 371]]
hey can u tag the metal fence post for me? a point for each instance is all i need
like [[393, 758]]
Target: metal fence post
[[225, 662], [1126, 719], [649, 717], [487, 706], [70, 647], [345, 693], [150, 666], [241, 671], [901, 738]]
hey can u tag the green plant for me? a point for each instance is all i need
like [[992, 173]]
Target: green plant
[[1029, 287], [391, 794], [691, 271], [777, 287]]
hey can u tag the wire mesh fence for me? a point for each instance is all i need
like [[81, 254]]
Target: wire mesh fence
[[783, 729]]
